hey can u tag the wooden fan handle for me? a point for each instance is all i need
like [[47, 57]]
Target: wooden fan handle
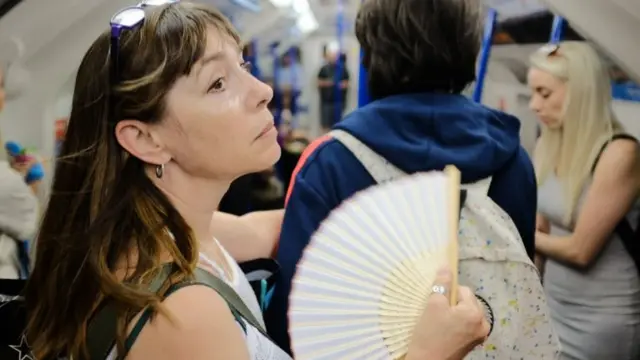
[[453, 175]]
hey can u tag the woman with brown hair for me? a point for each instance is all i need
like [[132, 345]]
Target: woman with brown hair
[[164, 117]]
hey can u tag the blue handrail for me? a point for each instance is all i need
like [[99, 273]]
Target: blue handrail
[[277, 98], [363, 85], [339, 63], [485, 53], [557, 29], [253, 59], [295, 90]]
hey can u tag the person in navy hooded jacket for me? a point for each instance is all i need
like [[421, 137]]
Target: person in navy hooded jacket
[[420, 55]]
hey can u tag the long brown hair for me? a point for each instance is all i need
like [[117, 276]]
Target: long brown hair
[[103, 205]]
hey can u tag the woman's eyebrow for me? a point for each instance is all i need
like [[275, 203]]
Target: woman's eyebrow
[[207, 59]]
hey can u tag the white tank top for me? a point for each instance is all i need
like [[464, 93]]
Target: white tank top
[[260, 347]]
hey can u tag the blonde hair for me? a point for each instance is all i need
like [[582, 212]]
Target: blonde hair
[[588, 121]]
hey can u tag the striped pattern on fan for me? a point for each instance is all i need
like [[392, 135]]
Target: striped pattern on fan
[[366, 275]]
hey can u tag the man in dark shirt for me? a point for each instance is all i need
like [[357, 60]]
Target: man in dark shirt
[[332, 99]]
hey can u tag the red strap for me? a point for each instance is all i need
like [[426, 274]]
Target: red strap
[[303, 159]]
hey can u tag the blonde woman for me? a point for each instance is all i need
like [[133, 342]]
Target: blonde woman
[[587, 171]]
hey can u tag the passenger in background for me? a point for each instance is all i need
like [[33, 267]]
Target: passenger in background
[[291, 74], [420, 55], [588, 175], [332, 102], [18, 211]]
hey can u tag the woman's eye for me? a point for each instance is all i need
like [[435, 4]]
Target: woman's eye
[[217, 85], [544, 94]]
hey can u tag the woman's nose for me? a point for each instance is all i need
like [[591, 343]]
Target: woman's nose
[[262, 93], [534, 104]]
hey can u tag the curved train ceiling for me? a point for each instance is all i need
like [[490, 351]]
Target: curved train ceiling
[[52, 27], [522, 21], [6, 5]]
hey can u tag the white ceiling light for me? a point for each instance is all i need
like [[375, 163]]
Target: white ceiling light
[[307, 22], [515, 8], [301, 6]]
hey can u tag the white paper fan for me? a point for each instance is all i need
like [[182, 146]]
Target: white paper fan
[[365, 277]]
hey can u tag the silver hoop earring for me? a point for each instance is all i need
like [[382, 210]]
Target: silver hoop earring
[[159, 171]]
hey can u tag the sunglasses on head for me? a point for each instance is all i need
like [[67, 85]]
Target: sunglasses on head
[[127, 19]]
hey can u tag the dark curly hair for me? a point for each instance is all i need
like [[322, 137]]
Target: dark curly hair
[[413, 46]]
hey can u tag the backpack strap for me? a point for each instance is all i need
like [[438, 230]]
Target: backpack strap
[[102, 329], [380, 169], [604, 146], [479, 187], [629, 239], [237, 306]]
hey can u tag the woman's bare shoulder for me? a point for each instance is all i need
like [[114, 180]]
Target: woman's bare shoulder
[[201, 327]]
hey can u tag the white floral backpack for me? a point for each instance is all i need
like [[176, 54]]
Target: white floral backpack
[[493, 263]]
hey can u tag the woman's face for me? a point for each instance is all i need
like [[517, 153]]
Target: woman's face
[[217, 125], [548, 95]]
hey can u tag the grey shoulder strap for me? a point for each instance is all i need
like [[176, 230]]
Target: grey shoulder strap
[[380, 169], [479, 187], [102, 329]]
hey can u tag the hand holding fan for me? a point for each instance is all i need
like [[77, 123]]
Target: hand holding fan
[[365, 278]]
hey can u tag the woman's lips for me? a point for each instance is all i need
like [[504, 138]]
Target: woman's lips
[[265, 130]]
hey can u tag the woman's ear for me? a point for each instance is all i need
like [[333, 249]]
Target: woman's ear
[[139, 139]]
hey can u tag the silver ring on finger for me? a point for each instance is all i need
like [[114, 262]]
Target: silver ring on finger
[[439, 289]]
